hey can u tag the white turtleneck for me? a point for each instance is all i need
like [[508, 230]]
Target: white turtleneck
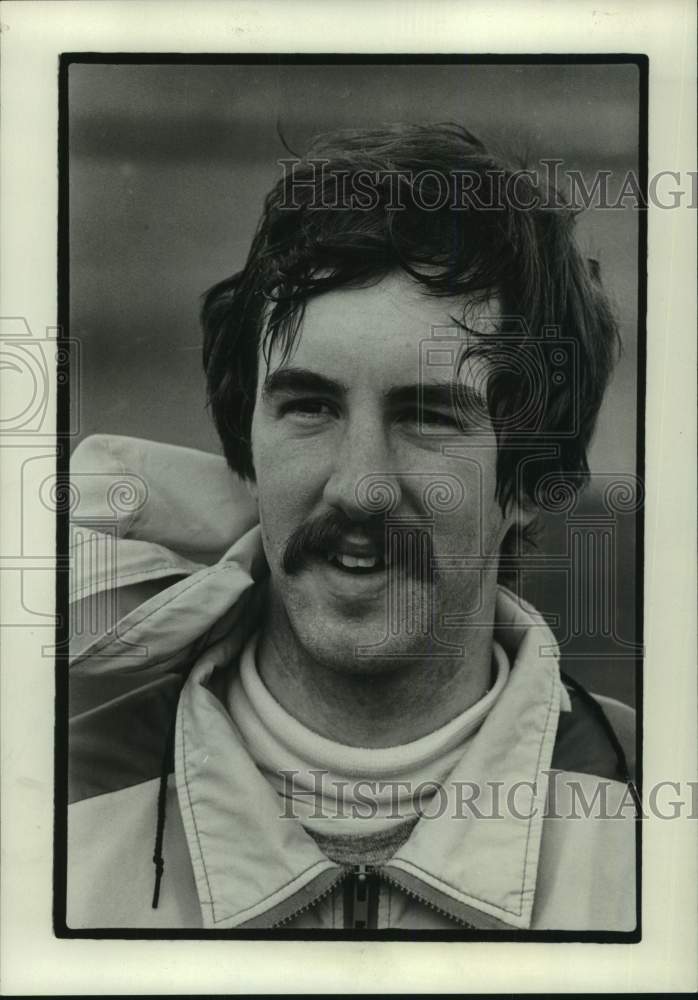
[[353, 790]]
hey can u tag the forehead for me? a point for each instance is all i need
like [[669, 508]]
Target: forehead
[[383, 329]]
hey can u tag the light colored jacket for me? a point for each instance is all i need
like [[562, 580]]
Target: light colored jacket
[[167, 587]]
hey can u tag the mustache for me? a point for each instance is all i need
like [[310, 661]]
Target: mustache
[[403, 548]]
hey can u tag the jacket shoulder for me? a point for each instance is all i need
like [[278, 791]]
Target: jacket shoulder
[[587, 867], [183, 499], [592, 733]]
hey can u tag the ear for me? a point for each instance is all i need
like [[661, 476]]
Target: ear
[[520, 518], [251, 487], [524, 513]]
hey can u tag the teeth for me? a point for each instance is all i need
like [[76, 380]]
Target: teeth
[[351, 562]]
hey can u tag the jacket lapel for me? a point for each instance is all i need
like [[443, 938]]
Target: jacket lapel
[[477, 857], [249, 862]]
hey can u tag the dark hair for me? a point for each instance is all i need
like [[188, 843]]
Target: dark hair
[[489, 229]]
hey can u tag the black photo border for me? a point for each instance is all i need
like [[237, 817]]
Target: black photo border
[[63, 440]]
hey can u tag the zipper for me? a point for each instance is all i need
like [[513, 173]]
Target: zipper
[[426, 902], [360, 898], [361, 892], [313, 902]]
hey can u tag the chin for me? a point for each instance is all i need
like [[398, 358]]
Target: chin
[[360, 646], [360, 629]]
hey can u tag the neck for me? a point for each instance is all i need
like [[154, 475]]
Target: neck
[[378, 707]]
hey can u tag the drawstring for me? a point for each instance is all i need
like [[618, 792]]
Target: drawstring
[[601, 716], [167, 764]]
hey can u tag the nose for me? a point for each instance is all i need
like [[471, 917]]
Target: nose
[[363, 481]]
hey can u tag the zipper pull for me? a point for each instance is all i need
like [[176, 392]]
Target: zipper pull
[[361, 891]]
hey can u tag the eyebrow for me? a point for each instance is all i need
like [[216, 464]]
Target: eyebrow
[[298, 380], [301, 380], [444, 394]]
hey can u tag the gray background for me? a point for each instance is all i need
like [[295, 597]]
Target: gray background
[[168, 168]]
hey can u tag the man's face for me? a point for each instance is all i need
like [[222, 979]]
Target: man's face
[[365, 548]]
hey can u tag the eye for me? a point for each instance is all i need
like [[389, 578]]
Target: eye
[[439, 418], [429, 417], [306, 409]]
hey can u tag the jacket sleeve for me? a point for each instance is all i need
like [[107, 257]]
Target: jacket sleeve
[[153, 571], [624, 723]]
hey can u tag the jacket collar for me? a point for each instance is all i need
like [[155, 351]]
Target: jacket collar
[[478, 858], [254, 867]]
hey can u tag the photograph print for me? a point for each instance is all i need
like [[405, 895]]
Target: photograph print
[[355, 525]]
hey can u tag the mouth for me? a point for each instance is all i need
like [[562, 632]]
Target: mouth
[[357, 555], [356, 565], [354, 581], [362, 557], [358, 568]]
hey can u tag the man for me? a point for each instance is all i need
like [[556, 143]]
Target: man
[[365, 728]]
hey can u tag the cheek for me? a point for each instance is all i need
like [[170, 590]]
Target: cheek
[[477, 525], [291, 472], [284, 502]]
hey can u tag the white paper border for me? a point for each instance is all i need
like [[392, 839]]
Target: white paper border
[[32, 960]]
